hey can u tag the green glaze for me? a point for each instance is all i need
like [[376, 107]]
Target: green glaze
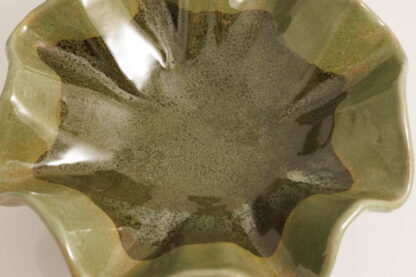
[[206, 151], [263, 128]]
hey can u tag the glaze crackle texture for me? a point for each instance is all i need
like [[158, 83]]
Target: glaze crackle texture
[[202, 138]]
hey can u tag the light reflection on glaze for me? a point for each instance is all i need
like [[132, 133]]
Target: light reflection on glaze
[[133, 49]]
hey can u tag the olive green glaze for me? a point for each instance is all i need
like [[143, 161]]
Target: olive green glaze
[[244, 153], [219, 147]]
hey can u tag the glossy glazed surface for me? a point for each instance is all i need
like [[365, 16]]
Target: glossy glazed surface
[[218, 142], [202, 126]]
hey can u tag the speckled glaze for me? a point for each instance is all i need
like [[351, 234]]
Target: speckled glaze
[[203, 138]]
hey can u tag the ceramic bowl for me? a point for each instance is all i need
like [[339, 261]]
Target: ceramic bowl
[[203, 138]]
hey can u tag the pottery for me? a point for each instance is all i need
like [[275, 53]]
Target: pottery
[[203, 138]]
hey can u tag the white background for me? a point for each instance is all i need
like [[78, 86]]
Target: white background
[[375, 245]]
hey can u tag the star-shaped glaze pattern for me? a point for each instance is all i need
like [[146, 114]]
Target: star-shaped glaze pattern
[[219, 144]]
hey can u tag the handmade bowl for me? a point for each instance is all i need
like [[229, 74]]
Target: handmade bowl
[[203, 138]]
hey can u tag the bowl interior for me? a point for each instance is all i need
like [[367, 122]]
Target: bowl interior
[[199, 127]]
